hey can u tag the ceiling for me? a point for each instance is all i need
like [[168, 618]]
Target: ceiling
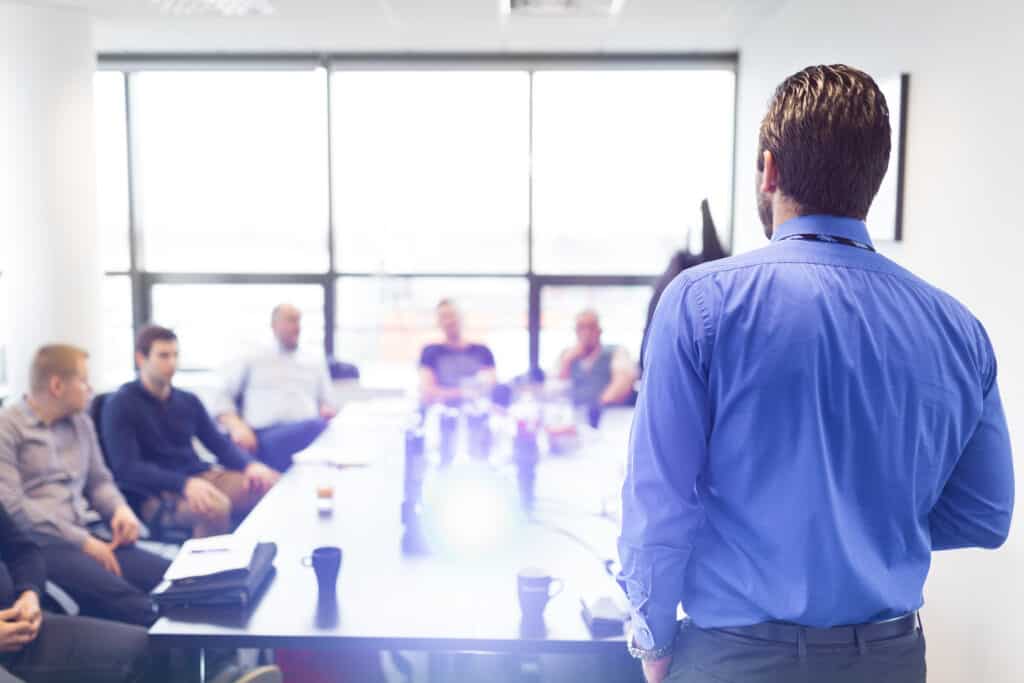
[[398, 26]]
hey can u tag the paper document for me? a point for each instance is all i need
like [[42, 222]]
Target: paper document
[[211, 555]]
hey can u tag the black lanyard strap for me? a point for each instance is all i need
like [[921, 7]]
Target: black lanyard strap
[[831, 239]]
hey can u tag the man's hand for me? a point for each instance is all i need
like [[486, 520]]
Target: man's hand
[[259, 478], [19, 623], [328, 412], [125, 526], [202, 497], [27, 607], [102, 553], [15, 635], [656, 670], [243, 436]]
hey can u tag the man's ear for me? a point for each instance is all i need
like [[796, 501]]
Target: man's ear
[[770, 175], [56, 385]]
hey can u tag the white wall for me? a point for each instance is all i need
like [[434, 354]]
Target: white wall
[[962, 231], [52, 270]]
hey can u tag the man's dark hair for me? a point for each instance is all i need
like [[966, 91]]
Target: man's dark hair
[[827, 128], [149, 334]]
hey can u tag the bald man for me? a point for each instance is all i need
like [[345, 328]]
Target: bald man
[[600, 375], [277, 402]]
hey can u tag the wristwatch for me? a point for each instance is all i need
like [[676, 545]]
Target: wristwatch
[[640, 642], [649, 655]]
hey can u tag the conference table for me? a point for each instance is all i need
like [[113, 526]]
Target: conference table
[[455, 599]]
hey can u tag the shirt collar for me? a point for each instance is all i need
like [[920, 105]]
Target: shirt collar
[[835, 226], [30, 414], [141, 389], [33, 419]]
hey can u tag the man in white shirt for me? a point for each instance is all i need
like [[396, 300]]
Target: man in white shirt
[[276, 403]]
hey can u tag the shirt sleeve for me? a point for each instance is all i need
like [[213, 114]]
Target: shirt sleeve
[[25, 512], [486, 357], [100, 489], [621, 362], [976, 504], [233, 383], [667, 451], [428, 357], [227, 453], [125, 453], [21, 555], [325, 387]]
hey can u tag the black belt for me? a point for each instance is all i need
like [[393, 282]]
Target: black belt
[[838, 635]]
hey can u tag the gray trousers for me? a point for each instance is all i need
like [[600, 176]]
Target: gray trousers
[[78, 650], [712, 656]]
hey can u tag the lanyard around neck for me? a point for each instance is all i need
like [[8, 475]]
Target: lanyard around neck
[[831, 239]]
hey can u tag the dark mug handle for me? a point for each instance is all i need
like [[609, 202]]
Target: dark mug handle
[[555, 582]]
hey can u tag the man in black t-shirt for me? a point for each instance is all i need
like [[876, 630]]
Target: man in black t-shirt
[[447, 368]]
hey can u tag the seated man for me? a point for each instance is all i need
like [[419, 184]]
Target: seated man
[[447, 368], [53, 482], [44, 648], [148, 427], [600, 375], [285, 396]]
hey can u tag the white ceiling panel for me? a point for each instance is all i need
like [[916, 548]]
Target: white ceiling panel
[[422, 26]]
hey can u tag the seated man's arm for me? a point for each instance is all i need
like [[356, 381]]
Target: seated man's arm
[[432, 392], [226, 407], [565, 361], [22, 510], [326, 401], [21, 555], [624, 374], [227, 453], [488, 374], [100, 489], [124, 452]]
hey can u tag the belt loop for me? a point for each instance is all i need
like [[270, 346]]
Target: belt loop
[[858, 637], [801, 643]]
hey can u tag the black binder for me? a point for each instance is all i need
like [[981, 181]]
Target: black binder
[[230, 588]]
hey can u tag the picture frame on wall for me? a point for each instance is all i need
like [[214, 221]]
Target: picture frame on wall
[[885, 219]]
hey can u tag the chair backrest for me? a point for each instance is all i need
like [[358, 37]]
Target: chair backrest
[[96, 413], [341, 370]]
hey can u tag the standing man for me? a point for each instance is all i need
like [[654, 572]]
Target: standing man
[[447, 367], [53, 482], [814, 422], [276, 403], [148, 426]]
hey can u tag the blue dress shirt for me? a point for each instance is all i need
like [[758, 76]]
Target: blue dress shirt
[[814, 421]]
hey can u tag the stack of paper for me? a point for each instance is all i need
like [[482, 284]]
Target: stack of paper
[[212, 555]]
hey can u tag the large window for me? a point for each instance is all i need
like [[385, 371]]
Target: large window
[[231, 170], [431, 171], [366, 191], [218, 323], [622, 160]]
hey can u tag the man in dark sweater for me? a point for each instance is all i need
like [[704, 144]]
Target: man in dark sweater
[[40, 648], [148, 427]]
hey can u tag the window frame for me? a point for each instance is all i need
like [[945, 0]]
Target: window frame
[[143, 280]]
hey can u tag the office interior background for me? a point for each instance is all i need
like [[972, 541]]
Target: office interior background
[[195, 169]]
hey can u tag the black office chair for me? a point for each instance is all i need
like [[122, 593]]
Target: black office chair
[[156, 530], [342, 370]]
